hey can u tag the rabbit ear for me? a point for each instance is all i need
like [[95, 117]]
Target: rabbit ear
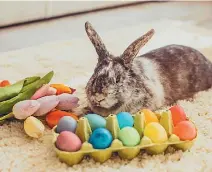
[[96, 41], [133, 49]]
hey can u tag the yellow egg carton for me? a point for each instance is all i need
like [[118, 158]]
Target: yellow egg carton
[[84, 131]]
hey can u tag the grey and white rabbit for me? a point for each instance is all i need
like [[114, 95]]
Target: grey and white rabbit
[[152, 80]]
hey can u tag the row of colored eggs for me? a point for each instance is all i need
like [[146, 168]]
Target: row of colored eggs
[[101, 138]]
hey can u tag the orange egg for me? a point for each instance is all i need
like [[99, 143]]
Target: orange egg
[[178, 114], [149, 116], [185, 130], [53, 117]]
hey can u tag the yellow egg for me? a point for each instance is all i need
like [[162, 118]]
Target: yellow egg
[[34, 127], [155, 132]]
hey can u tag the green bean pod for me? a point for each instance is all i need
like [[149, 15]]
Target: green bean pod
[[13, 90], [30, 80]]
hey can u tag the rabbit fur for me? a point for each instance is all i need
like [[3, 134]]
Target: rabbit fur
[[152, 80]]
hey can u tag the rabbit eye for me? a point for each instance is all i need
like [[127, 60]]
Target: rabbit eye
[[118, 79]]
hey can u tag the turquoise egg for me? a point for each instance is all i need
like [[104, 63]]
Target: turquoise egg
[[101, 138], [129, 136], [125, 119], [96, 121]]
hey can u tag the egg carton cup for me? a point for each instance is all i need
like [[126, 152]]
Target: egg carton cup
[[84, 131]]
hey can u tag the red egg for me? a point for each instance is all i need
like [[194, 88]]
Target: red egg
[[185, 130], [178, 114], [4, 83], [68, 141]]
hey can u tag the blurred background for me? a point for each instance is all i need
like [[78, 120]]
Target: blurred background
[[29, 23]]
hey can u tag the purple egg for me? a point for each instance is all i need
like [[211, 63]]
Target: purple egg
[[66, 123]]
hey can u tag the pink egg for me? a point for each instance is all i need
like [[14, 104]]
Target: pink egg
[[67, 102], [68, 141], [26, 108], [40, 92], [47, 104], [51, 91]]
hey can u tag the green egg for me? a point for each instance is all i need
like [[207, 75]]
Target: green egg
[[129, 136], [96, 121]]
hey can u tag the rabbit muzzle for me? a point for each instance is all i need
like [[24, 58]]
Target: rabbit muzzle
[[100, 100]]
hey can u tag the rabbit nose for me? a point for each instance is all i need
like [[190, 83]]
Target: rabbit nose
[[97, 103], [99, 97]]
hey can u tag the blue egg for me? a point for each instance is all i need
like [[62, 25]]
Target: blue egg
[[101, 138], [66, 123], [96, 121], [125, 119]]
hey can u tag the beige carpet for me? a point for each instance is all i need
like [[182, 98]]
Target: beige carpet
[[73, 62]]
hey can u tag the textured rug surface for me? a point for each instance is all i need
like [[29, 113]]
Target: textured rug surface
[[73, 62]]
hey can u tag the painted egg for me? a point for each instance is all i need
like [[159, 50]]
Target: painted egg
[[149, 116], [67, 102], [40, 92], [129, 136], [178, 114], [47, 104], [51, 91], [66, 123], [125, 119], [185, 130], [52, 118], [34, 127], [101, 138], [155, 132], [26, 108], [68, 141], [96, 121]]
